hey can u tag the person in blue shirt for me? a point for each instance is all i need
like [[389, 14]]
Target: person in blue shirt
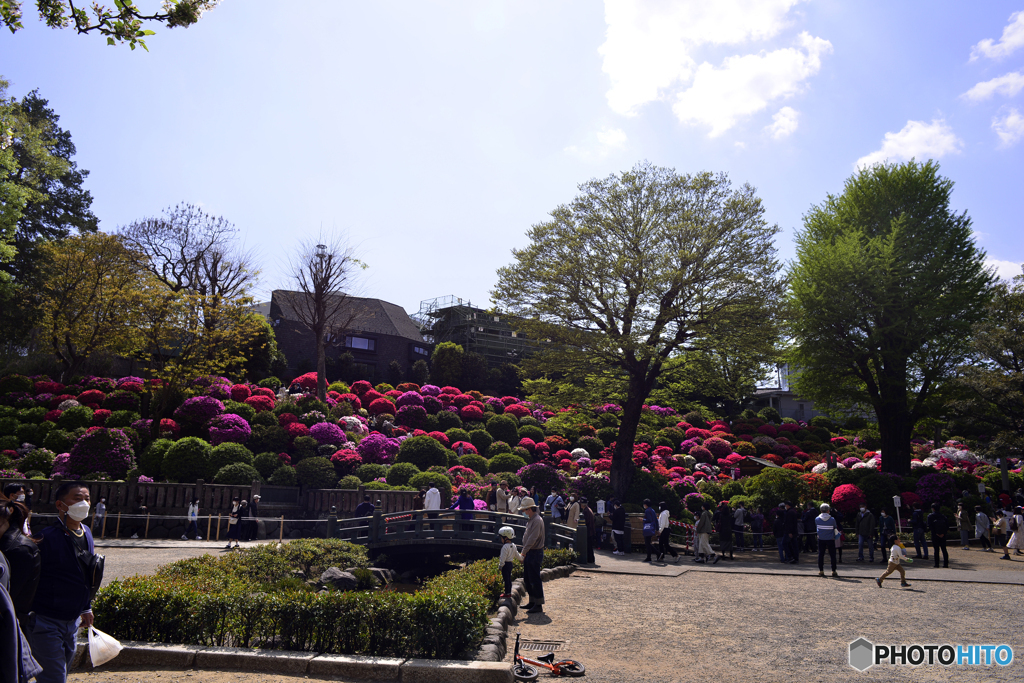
[[364, 509], [63, 600], [465, 503], [827, 528]]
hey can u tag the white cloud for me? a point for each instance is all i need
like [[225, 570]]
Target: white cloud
[[1009, 127], [745, 85], [608, 139], [917, 139], [611, 137], [649, 47], [1008, 85], [1006, 270], [784, 123], [1013, 38]]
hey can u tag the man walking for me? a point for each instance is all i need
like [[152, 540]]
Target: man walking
[[826, 531], [591, 522], [982, 526], [865, 526], [792, 530], [63, 599], [533, 555], [619, 527], [939, 526], [739, 522], [809, 536], [918, 524], [702, 531], [886, 530], [502, 495], [779, 531]]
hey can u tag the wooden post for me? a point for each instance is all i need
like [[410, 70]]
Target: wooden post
[[146, 535], [280, 537], [209, 523], [117, 531], [103, 527], [218, 527]]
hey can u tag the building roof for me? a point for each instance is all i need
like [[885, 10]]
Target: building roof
[[371, 315]]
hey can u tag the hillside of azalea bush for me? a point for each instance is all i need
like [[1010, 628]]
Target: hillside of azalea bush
[[409, 436]]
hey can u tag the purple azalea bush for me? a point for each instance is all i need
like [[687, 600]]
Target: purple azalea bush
[[542, 476], [939, 487], [327, 433], [378, 449], [229, 428], [198, 410], [100, 450]]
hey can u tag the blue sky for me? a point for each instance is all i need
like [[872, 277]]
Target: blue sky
[[434, 134]]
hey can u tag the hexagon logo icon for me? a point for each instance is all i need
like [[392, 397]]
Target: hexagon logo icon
[[862, 654]]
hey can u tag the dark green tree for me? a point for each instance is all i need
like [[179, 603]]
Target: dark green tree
[[474, 371], [420, 372], [884, 291], [992, 386], [639, 267], [395, 373]]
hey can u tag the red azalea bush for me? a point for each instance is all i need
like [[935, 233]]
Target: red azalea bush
[[441, 437], [719, 448], [260, 403], [306, 381], [793, 466], [471, 413], [296, 429], [345, 462], [381, 406], [847, 498], [100, 416], [285, 419], [361, 387], [771, 457], [768, 430], [517, 409], [467, 447], [240, 392], [91, 396]]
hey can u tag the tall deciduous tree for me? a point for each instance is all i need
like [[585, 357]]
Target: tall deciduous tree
[[994, 382], [884, 290], [446, 364], [323, 270], [636, 269], [91, 298]]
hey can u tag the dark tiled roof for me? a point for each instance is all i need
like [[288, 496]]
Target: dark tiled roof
[[371, 315]]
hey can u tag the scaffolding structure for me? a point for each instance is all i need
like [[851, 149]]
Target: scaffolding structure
[[453, 319]]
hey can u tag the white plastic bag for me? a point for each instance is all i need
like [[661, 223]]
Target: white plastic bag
[[102, 648]]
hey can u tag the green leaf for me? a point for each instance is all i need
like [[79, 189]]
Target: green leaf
[[110, 41]]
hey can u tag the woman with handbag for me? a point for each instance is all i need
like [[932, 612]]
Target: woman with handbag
[[234, 526], [650, 528]]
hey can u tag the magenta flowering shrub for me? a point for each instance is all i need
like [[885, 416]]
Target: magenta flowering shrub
[[129, 380], [381, 406], [198, 410], [432, 404], [411, 416], [701, 454], [430, 390], [377, 449], [101, 450], [346, 462], [471, 413], [328, 433], [718, 447], [219, 391], [939, 487], [847, 498], [229, 428], [409, 398], [542, 476]]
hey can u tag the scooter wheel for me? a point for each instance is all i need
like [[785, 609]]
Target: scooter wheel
[[571, 667], [524, 672]]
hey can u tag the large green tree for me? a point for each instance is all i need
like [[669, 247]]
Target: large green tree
[[123, 22], [884, 290], [638, 267], [992, 385]]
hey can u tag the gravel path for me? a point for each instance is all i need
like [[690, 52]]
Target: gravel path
[[703, 626]]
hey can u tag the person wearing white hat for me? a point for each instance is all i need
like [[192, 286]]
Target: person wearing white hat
[[533, 555]]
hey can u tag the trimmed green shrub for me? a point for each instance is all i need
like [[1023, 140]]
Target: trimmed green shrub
[[59, 441], [272, 438], [608, 434], [263, 419], [266, 464], [770, 414], [497, 448], [376, 486], [74, 418], [531, 432], [447, 420], [284, 476], [151, 462], [400, 473], [504, 428], [481, 440], [237, 474], [505, 462], [229, 453], [422, 451], [350, 482], [370, 471], [773, 486], [270, 383], [187, 460], [477, 463], [303, 447], [316, 473], [457, 434], [13, 383], [38, 460], [822, 421], [855, 422], [243, 410], [423, 480], [121, 418]]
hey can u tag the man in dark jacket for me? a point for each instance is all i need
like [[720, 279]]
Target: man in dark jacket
[[591, 521], [22, 555], [939, 526], [865, 526], [886, 530], [791, 529], [723, 525], [810, 535], [917, 522], [364, 509], [64, 598], [779, 530]]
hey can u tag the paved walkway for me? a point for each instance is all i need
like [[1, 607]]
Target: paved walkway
[[633, 564]]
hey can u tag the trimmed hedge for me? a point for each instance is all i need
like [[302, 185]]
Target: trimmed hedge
[[247, 601]]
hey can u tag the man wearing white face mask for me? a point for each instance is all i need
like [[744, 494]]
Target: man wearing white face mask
[[63, 600]]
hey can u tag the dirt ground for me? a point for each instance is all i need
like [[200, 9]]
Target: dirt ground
[[196, 676], [707, 626]]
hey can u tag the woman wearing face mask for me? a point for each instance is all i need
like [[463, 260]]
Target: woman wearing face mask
[[572, 513], [234, 526], [22, 556], [16, 492]]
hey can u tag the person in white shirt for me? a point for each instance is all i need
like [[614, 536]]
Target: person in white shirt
[[663, 535], [98, 517], [513, 503], [982, 525], [193, 521], [572, 513], [432, 501], [509, 552], [897, 555]]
